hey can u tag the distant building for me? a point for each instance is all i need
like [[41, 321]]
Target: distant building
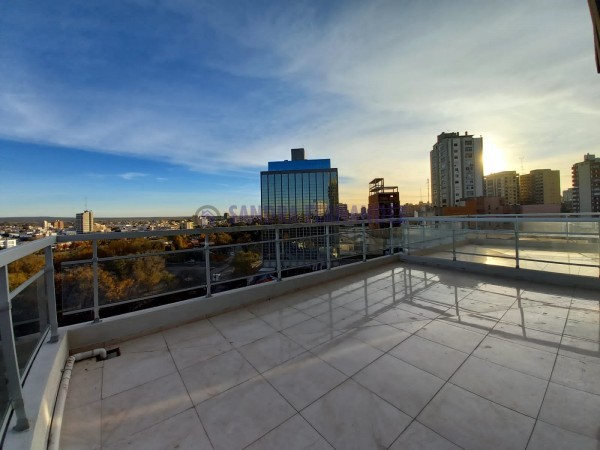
[[58, 224], [300, 190], [586, 184], [384, 202], [567, 200], [8, 243], [84, 222], [343, 213], [503, 184], [186, 225], [540, 187], [456, 163]]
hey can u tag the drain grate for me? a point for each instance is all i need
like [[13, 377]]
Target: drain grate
[[110, 354]]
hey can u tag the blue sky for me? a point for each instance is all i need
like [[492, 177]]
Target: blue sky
[[156, 107]]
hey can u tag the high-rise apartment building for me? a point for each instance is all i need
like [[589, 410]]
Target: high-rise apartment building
[[503, 184], [540, 187], [456, 169], [300, 190], [84, 222], [586, 184]]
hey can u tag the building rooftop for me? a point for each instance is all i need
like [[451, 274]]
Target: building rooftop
[[399, 356]]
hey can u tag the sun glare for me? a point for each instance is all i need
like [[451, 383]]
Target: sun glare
[[493, 159]]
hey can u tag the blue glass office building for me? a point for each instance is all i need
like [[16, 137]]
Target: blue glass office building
[[300, 190]]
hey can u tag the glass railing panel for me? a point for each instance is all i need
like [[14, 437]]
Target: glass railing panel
[[4, 394], [486, 245], [76, 287], [240, 265], [140, 277], [30, 321]]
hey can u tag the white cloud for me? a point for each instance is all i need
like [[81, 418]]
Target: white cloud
[[130, 176]]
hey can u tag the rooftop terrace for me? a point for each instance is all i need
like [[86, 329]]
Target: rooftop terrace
[[398, 356], [472, 332]]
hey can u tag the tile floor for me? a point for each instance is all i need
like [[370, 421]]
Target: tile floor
[[398, 357]]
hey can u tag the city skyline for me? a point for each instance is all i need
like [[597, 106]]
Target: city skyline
[[157, 109]]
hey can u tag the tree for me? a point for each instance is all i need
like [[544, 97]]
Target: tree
[[245, 263]]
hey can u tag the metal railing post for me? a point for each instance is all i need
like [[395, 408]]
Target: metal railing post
[[11, 365], [278, 254], [207, 264], [516, 242], [364, 242], [51, 294], [96, 290], [453, 244], [391, 237], [328, 246]]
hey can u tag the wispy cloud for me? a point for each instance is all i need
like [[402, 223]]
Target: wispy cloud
[[130, 176]]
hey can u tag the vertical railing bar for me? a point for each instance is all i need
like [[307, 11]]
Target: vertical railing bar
[[328, 246], [207, 264], [278, 253], [51, 294], [11, 365], [364, 242], [453, 244], [391, 237], [516, 242], [96, 289]]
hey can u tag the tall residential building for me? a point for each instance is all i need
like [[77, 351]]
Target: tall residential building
[[540, 187], [456, 169], [503, 184], [384, 202], [586, 184], [300, 190], [84, 222]]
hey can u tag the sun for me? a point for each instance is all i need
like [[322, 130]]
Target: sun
[[493, 159]]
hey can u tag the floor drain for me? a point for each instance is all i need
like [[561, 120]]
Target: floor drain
[[111, 354]]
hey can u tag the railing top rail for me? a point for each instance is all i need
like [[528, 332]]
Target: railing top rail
[[505, 218], [13, 254]]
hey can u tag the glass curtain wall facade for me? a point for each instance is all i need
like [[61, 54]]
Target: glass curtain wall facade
[[299, 196], [294, 192]]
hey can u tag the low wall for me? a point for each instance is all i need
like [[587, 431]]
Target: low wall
[[126, 326]]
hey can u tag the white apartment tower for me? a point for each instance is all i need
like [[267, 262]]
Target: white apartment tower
[[84, 222], [586, 185], [456, 169]]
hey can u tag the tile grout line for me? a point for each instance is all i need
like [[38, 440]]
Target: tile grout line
[[187, 391], [446, 382], [537, 418]]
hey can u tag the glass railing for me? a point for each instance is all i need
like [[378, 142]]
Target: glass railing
[[62, 280], [567, 245]]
